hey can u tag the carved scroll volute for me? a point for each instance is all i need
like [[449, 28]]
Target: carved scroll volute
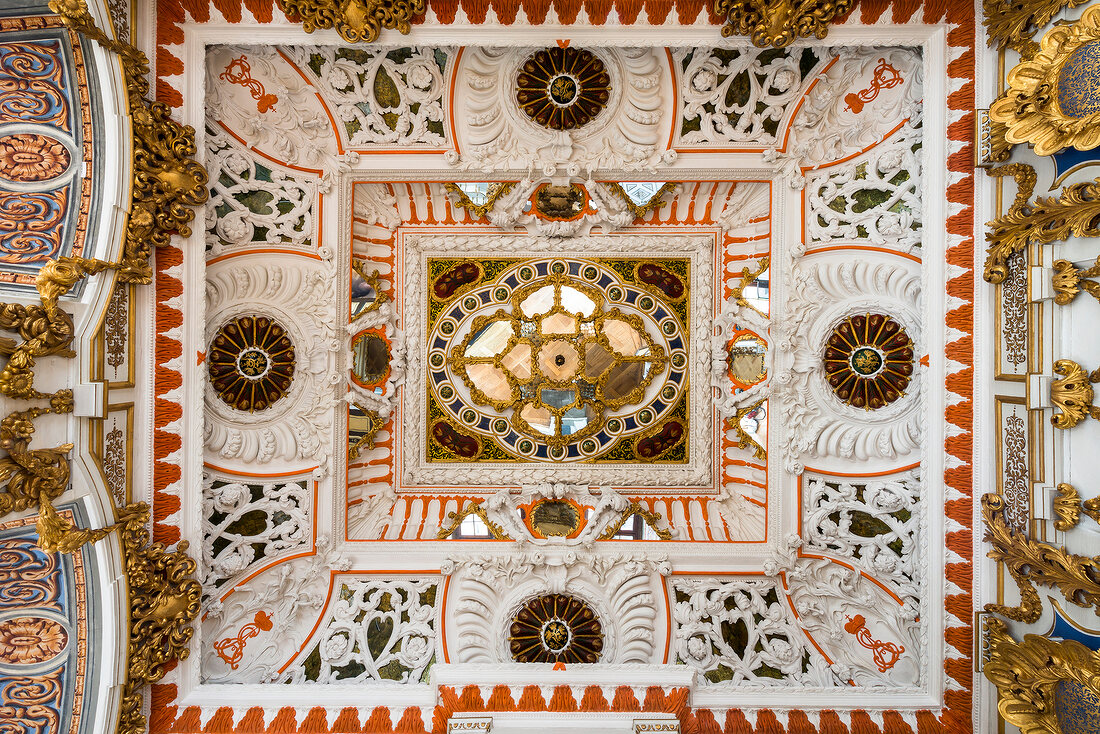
[[1072, 395], [778, 23]]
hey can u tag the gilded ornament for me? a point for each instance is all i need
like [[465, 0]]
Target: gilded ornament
[[778, 23], [1070, 279], [1072, 394], [1074, 213], [747, 277], [746, 439], [372, 295], [354, 20], [167, 181], [454, 519], [463, 200], [164, 602], [640, 210], [990, 144], [368, 432], [1032, 562], [652, 519], [56, 534], [31, 474], [1012, 24], [1091, 507], [1067, 507], [1044, 686], [1053, 99]]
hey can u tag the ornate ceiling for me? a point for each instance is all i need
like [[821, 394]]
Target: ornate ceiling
[[567, 365]]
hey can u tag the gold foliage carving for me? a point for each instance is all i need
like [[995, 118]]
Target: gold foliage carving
[[164, 601], [463, 200], [1072, 394], [472, 508], [778, 23], [367, 439], [1091, 507], [167, 182], [55, 533], [1067, 507], [1032, 562], [1041, 105], [1008, 233], [745, 439], [1027, 675], [747, 277], [31, 474], [640, 210], [1012, 24], [652, 519], [1070, 279], [354, 20]]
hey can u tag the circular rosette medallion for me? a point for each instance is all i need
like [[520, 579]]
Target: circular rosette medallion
[[868, 361], [251, 363], [563, 88], [555, 628], [30, 157], [557, 359]]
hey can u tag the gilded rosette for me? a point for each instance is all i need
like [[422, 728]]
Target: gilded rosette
[[1053, 100]]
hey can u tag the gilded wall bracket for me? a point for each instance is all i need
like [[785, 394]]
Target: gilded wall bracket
[[778, 23], [1050, 100], [1072, 394], [1069, 280], [1032, 562], [354, 20]]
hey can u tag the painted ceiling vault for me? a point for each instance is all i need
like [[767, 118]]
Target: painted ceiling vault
[[389, 366]]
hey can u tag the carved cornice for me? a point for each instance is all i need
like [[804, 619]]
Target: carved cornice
[[778, 23], [354, 20], [1031, 562]]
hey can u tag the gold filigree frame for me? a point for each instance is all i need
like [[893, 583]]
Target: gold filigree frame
[[471, 508], [1031, 108]]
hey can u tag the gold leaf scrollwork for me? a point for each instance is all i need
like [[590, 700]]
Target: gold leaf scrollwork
[[1032, 675], [472, 508], [1012, 24], [1091, 507], [56, 534], [31, 474], [1067, 507], [167, 181], [1008, 233], [164, 601], [374, 425], [1032, 562], [778, 23], [374, 280], [463, 200], [747, 277], [652, 519], [1072, 394], [640, 210], [354, 20], [1070, 279], [746, 439], [1048, 102]]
